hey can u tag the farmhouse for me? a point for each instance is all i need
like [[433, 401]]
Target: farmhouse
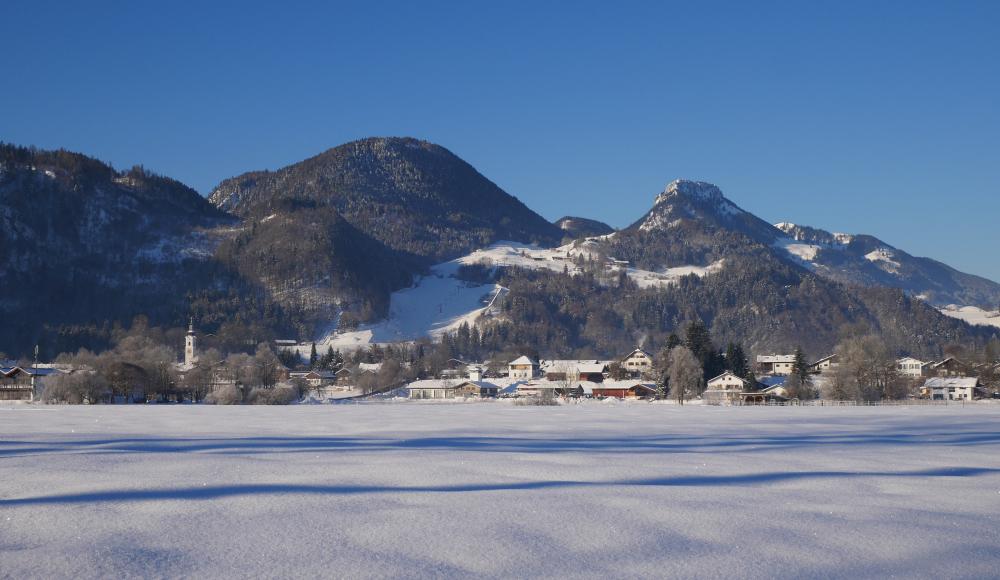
[[522, 368], [952, 389], [343, 377], [637, 362], [725, 389], [949, 367], [315, 379], [775, 364], [911, 367]]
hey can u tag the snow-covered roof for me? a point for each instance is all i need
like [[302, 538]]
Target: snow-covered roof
[[627, 384], [370, 366], [776, 358], [38, 372], [770, 381], [447, 385], [946, 361], [822, 360], [581, 366], [952, 382], [523, 360], [638, 350]]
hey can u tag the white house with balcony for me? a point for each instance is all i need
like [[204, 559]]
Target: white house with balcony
[[724, 389]]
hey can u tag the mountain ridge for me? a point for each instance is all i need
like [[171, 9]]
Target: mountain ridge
[[105, 245]]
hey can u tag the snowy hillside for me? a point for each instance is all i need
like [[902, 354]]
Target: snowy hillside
[[868, 261], [440, 302]]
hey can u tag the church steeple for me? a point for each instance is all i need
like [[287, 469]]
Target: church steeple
[[190, 356]]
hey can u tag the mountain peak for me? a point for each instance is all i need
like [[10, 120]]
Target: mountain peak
[[412, 195], [696, 190]]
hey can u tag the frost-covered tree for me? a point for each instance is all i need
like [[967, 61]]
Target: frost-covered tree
[[684, 372]]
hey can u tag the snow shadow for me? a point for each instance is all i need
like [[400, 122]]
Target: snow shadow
[[226, 491], [636, 445]]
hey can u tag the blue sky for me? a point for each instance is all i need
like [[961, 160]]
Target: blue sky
[[873, 117]]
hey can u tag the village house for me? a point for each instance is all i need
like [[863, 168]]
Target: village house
[[372, 368], [949, 367], [575, 370], [25, 383], [16, 384], [911, 367], [824, 365], [775, 364], [344, 377], [952, 389], [725, 389], [438, 389], [638, 362], [522, 368], [773, 385], [315, 379]]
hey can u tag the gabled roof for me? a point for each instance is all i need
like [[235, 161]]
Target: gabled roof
[[946, 361], [727, 373], [480, 384], [638, 350], [523, 360], [11, 371], [909, 358], [824, 359], [949, 382]]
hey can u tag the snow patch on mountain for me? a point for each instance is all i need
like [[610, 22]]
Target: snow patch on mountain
[[972, 314], [884, 258]]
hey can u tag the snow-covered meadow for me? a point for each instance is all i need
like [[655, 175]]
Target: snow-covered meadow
[[492, 489]]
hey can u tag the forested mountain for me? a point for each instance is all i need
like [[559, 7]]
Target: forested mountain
[[868, 261], [82, 244], [415, 197], [577, 227], [316, 265], [327, 242]]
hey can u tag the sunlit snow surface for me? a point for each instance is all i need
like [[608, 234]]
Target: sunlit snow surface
[[415, 490]]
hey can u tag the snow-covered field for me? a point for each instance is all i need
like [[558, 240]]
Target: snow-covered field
[[423, 490]]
